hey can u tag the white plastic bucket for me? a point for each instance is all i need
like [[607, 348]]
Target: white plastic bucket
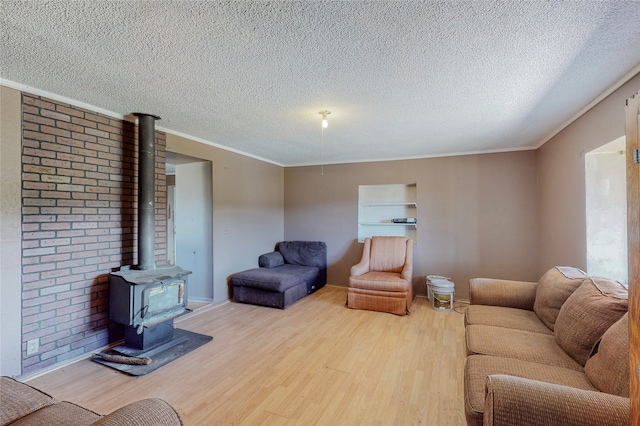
[[440, 291]]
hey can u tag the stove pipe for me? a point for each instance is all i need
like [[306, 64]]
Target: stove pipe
[[146, 190]]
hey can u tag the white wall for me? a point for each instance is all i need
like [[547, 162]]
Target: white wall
[[248, 213], [561, 179], [10, 232], [194, 227]]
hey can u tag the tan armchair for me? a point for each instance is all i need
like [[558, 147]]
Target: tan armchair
[[382, 281]]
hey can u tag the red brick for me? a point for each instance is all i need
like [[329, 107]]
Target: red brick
[[70, 142], [55, 210], [70, 279], [56, 163], [30, 168], [83, 137], [55, 115], [29, 100], [69, 111], [33, 118], [55, 131], [36, 298], [56, 179], [70, 127]]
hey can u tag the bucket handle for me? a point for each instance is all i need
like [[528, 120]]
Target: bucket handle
[[443, 301]]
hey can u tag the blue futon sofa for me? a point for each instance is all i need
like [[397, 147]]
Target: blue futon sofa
[[286, 275]]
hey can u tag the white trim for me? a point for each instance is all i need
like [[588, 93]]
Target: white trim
[[215, 145], [39, 92], [419, 157], [626, 78]]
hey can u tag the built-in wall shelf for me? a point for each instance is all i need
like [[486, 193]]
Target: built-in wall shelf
[[390, 204], [378, 205]]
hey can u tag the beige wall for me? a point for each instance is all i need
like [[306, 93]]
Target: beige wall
[[10, 232], [248, 215], [476, 214], [561, 170]]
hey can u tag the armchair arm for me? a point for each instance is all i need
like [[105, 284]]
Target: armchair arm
[[363, 266], [511, 400], [495, 292], [407, 271], [146, 412]]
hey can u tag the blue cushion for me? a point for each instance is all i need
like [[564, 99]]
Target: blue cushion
[[271, 260], [277, 279]]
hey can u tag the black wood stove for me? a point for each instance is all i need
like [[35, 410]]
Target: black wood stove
[[145, 298]]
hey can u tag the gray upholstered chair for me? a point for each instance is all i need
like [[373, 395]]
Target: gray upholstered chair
[[382, 281]]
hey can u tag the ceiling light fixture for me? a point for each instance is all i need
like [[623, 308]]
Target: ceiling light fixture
[[325, 122]]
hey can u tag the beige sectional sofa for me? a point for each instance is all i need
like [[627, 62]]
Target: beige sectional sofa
[[21, 404], [551, 352]]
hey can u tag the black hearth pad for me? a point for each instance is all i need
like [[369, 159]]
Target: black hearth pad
[[193, 341]]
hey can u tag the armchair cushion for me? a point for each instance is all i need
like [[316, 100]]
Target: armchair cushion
[[379, 281], [553, 289], [388, 254], [594, 307]]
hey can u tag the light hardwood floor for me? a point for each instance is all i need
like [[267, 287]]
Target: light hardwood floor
[[315, 363]]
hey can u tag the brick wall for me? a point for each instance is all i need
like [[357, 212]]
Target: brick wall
[[79, 223]]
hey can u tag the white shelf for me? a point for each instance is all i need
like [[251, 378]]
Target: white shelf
[[389, 204], [379, 204], [415, 225]]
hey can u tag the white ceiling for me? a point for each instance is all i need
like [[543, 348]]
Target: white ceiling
[[402, 79]]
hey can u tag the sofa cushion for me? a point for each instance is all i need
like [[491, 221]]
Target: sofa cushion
[[60, 413], [608, 369], [277, 279], [271, 260], [553, 289], [594, 307], [19, 399], [304, 253], [478, 367], [501, 316], [518, 344]]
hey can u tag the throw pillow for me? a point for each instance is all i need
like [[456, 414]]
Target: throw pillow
[[553, 289], [594, 307], [608, 369]]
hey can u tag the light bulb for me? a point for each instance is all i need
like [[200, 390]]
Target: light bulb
[[325, 122]]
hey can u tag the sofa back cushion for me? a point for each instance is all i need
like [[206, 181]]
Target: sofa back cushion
[[388, 254], [594, 307], [553, 289], [608, 369], [306, 253]]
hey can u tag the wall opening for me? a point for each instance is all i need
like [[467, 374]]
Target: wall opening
[[606, 211]]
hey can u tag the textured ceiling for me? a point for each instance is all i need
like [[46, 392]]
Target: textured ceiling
[[402, 79]]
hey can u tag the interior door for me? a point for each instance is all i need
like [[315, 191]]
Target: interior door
[[633, 229]]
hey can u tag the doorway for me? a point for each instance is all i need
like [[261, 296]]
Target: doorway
[[190, 222], [606, 211]]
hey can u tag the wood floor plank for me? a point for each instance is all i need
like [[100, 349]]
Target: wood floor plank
[[315, 363]]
